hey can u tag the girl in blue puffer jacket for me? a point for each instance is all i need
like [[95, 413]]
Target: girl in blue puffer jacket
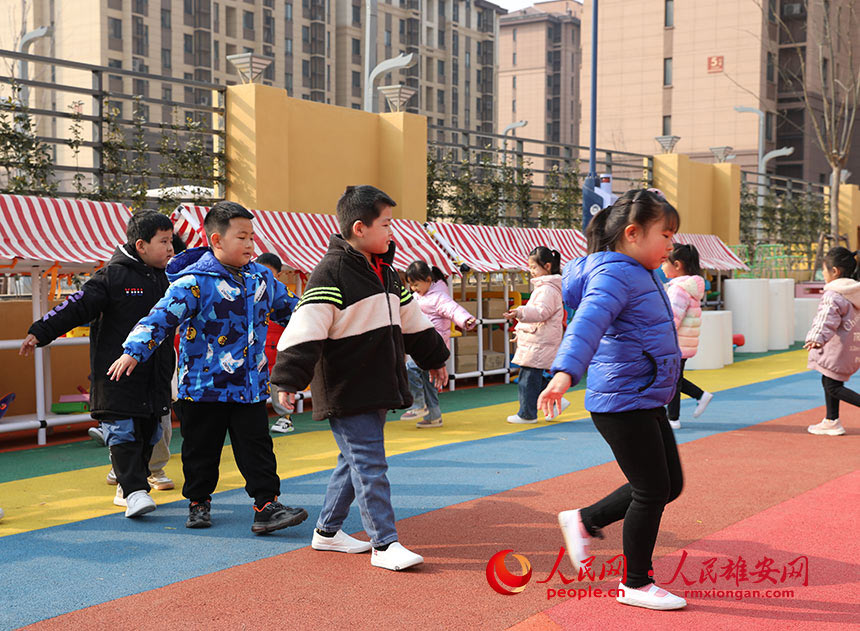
[[623, 331]]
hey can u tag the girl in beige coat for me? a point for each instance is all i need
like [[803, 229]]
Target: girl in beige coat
[[538, 332]]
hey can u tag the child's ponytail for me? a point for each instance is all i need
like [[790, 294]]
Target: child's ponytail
[[544, 255], [688, 255], [641, 207], [844, 260], [420, 270]]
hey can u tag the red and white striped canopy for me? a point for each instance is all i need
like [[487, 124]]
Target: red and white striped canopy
[[494, 248], [713, 253], [68, 232], [301, 239]]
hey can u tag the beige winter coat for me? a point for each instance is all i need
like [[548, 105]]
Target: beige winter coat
[[541, 324]]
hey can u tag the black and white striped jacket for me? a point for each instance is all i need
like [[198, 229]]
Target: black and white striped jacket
[[348, 335]]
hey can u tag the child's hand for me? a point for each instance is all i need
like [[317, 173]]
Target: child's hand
[[549, 401], [439, 377], [287, 400], [29, 345], [810, 345], [510, 315], [514, 339], [121, 367], [470, 324]]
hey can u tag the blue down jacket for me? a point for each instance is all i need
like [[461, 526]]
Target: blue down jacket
[[222, 327], [623, 332]]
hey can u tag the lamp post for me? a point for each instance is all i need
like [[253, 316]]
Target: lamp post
[[23, 68], [249, 65], [722, 153], [592, 203], [395, 63], [511, 127]]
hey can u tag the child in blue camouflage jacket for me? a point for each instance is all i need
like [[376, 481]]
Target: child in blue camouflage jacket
[[222, 304]]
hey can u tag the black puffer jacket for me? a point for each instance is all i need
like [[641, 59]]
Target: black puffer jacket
[[112, 302]]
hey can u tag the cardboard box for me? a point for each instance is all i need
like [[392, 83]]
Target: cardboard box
[[493, 360], [494, 308], [466, 344], [465, 363], [469, 305]]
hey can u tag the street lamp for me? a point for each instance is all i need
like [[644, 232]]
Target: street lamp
[[511, 127], [249, 65], [592, 203], [23, 68], [389, 65], [723, 153], [667, 142], [397, 95]]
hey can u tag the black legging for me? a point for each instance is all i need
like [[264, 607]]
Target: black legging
[[645, 449], [684, 387], [834, 392]]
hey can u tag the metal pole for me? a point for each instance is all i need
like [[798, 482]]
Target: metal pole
[[370, 36], [590, 199]]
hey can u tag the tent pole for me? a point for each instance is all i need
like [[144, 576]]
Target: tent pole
[[480, 309], [36, 290], [505, 327], [450, 362], [49, 384]]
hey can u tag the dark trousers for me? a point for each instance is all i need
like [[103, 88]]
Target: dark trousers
[[684, 387], [130, 443], [204, 427], [645, 449], [834, 392], [531, 383]]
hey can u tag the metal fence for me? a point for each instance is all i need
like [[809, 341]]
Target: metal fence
[[131, 125]]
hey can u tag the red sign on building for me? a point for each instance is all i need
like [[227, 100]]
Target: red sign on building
[[715, 64]]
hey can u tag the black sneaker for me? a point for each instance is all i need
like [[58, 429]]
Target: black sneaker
[[198, 515], [274, 516]]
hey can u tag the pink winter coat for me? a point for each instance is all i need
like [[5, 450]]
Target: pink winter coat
[[440, 308], [685, 295], [541, 324], [835, 328]]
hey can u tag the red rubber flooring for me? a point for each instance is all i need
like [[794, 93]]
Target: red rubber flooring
[[767, 490]]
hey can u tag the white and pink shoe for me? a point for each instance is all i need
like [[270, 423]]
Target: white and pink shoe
[[650, 597], [576, 537]]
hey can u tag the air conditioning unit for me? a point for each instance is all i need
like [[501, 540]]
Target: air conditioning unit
[[792, 8]]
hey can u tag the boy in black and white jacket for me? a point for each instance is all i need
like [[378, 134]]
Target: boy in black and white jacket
[[347, 338]]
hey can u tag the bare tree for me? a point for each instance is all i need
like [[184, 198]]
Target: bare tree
[[826, 75]]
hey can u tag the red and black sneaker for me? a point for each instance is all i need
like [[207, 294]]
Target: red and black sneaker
[[274, 516], [198, 515]]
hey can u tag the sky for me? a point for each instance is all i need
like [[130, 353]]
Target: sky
[[514, 5]]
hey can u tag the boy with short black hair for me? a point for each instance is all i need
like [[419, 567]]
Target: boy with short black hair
[[347, 338], [113, 300], [222, 303]]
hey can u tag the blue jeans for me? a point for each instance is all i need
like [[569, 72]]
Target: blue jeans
[[423, 391], [360, 474], [531, 384]]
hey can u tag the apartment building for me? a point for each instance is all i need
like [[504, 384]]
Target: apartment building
[[539, 68], [671, 68]]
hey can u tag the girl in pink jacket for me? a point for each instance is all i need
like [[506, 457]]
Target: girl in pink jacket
[[431, 294], [686, 289], [538, 332], [834, 339]]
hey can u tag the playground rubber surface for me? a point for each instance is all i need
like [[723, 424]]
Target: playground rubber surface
[[760, 493]]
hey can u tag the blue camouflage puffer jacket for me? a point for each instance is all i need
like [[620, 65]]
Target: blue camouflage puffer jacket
[[623, 332], [222, 327]]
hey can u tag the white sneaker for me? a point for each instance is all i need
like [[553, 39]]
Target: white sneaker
[[414, 414], [395, 558], [675, 424], [515, 418], [563, 406], [575, 544], [139, 503], [703, 403], [96, 434], [118, 499], [827, 427], [341, 542], [111, 477], [653, 598], [283, 425], [160, 482]]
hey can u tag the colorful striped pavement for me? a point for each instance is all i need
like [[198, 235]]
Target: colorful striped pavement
[[461, 493]]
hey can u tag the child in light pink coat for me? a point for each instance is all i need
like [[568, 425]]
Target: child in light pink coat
[[539, 331], [834, 339], [686, 290], [431, 294]]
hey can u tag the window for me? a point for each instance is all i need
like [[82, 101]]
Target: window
[[165, 18], [165, 58], [514, 83], [288, 15], [216, 54], [669, 15], [140, 36], [166, 93], [667, 125], [388, 39], [188, 44], [515, 34], [440, 70], [768, 125], [469, 59], [216, 17], [288, 81], [140, 7], [455, 43], [514, 60], [771, 11], [306, 68], [440, 39], [356, 47], [356, 14], [288, 45], [455, 12], [114, 28], [306, 34], [188, 7], [514, 106], [667, 71], [770, 67], [248, 20], [114, 63], [356, 79], [825, 65]]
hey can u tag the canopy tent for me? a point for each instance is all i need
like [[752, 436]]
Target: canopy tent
[[713, 253], [495, 248], [41, 236], [50, 233], [301, 239]]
